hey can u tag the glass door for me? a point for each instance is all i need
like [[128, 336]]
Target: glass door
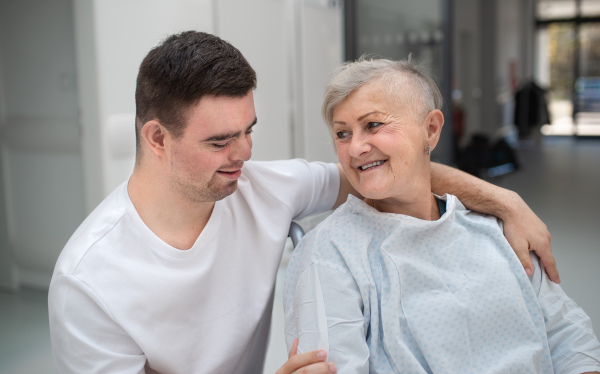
[[569, 64]]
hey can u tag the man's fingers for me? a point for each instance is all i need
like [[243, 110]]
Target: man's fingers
[[294, 349], [526, 237], [527, 265], [521, 248], [543, 248], [551, 269], [523, 256], [549, 263], [305, 363]]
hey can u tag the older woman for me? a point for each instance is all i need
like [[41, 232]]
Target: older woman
[[406, 281]]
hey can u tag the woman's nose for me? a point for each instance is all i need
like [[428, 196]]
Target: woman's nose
[[359, 145]]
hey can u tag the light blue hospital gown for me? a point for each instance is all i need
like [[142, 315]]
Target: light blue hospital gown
[[388, 293]]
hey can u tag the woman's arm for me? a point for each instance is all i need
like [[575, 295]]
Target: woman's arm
[[327, 314], [573, 345], [523, 229]]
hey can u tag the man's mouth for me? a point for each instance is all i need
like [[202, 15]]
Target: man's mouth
[[231, 173], [371, 165], [231, 169]]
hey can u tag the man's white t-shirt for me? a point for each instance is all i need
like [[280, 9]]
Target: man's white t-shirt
[[123, 301]]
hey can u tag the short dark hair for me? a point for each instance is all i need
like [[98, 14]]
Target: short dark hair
[[180, 71]]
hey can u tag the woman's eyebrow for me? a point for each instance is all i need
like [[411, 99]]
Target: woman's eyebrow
[[219, 137], [368, 114]]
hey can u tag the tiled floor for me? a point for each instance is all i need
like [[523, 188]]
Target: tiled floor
[[559, 179], [24, 333]]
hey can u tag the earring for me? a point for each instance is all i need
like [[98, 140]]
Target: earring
[[428, 150]]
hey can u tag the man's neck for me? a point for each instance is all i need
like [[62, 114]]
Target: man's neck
[[171, 217]]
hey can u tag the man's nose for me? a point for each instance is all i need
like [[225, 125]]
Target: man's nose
[[243, 149]]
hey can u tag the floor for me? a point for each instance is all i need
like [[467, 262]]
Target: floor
[[559, 179]]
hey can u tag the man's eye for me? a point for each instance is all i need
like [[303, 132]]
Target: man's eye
[[341, 134], [220, 145], [372, 125]]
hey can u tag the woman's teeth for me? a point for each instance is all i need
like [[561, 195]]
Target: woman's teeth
[[373, 164]]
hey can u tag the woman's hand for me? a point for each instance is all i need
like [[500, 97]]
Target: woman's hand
[[305, 363], [526, 232]]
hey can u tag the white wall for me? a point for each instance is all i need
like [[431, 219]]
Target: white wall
[[112, 38], [42, 170], [259, 30], [318, 41]]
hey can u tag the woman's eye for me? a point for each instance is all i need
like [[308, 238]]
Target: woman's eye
[[341, 134], [372, 125]]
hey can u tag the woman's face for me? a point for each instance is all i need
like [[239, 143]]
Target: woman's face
[[381, 143]]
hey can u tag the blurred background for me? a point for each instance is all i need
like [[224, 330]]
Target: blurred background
[[521, 80]]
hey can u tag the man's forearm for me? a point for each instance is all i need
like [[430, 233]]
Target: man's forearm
[[474, 193], [522, 227]]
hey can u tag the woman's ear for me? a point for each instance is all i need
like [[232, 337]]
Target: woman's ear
[[434, 123], [153, 136]]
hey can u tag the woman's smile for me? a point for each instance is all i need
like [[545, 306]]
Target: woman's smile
[[371, 165]]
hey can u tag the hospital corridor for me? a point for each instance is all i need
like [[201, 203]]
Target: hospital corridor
[[68, 73]]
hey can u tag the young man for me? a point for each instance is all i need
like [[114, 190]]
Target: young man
[[174, 271]]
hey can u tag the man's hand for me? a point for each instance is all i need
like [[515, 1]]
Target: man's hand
[[305, 363], [526, 232], [523, 229]]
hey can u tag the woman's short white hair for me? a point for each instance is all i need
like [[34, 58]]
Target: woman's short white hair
[[399, 75]]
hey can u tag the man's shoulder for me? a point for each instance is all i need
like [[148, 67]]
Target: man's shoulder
[[93, 231], [305, 188], [291, 168]]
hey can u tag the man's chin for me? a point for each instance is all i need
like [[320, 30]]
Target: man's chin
[[227, 190]]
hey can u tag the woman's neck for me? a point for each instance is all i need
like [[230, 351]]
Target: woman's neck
[[425, 208]]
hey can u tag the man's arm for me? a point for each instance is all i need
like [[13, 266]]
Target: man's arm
[[85, 339], [345, 189], [523, 229]]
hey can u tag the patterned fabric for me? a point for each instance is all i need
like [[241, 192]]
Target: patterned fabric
[[388, 293]]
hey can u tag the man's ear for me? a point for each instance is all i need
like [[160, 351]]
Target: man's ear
[[434, 123], [153, 135]]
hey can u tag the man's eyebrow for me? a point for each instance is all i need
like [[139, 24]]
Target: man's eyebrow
[[220, 137]]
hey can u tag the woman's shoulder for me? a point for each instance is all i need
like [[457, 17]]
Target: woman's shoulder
[[341, 232], [348, 216]]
